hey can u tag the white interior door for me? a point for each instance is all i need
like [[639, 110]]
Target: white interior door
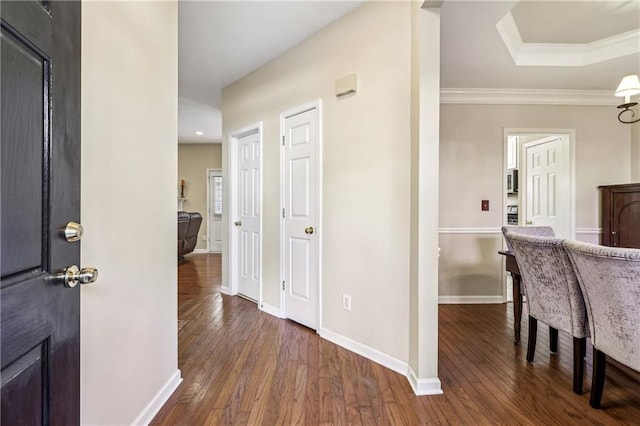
[[214, 209], [547, 192], [248, 221], [300, 216]]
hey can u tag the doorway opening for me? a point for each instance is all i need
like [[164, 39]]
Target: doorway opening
[[539, 182]]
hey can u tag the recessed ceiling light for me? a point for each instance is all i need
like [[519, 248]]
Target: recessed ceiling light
[[199, 133]]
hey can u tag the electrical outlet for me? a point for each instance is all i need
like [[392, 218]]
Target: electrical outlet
[[204, 238], [346, 302]]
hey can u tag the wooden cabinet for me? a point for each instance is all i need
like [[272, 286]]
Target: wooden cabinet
[[621, 215]]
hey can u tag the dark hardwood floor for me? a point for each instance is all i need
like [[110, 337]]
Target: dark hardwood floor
[[242, 366]]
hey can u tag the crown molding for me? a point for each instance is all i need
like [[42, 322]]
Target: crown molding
[[510, 35], [528, 97], [565, 55]]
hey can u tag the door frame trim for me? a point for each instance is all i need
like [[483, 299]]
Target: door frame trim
[[570, 144], [317, 105], [217, 172], [233, 204]]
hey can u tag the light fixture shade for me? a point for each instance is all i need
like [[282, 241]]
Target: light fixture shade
[[629, 86]]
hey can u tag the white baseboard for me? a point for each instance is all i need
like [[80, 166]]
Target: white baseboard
[[365, 351], [271, 310], [226, 290], [430, 386], [159, 400], [589, 231], [469, 300], [470, 231], [201, 251]]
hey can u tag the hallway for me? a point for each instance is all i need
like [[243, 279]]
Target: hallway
[[242, 366]]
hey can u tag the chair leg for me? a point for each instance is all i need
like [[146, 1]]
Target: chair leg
[[531, 344], [579, 350], [597, 381], [553, 339]]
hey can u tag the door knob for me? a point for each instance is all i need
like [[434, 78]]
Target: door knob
[[71, 276], [73, 232], [528, 222], [238, 223], [308, 230]]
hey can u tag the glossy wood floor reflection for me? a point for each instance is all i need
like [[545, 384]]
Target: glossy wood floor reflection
[[242, 366]]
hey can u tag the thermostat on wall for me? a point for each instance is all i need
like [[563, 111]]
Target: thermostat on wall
[[347, 85]]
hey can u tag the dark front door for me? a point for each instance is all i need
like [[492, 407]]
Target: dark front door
[[40, 193]]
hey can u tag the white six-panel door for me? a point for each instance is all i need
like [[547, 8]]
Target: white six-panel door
[[547, 183], [247, 222], [300, 216]]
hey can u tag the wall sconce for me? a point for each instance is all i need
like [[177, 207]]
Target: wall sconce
[[629, 86]]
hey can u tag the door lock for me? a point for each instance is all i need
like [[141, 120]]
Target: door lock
[[71, 276], [72, 232]]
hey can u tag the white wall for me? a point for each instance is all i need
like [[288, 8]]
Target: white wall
[[366, 182], [471, 169], [129, 155]]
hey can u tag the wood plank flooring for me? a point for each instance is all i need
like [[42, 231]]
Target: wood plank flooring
[[242, 366]]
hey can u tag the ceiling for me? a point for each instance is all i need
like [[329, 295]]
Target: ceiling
[[222, 41]]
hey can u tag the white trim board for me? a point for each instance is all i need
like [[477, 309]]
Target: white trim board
[[430, 386], [527, 97], [363, 350], [589, 231], [565, 54], [470, 300], [425, 386], [271, 310], [469, 230], [156, 403], [201, 251]]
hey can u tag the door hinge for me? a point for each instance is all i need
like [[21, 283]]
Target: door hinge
[[282, 285], [283, 213], [282, 140]]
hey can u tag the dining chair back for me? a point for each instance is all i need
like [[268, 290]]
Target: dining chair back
[[610, 281], [553, 295], [536, 231]]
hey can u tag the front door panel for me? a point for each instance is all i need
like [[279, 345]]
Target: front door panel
[[40, 175]]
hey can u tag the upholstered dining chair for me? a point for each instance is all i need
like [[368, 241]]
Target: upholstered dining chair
[[610, 282], [553, 295]]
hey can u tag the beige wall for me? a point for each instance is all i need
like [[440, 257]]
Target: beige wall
[[471, 168], [635, 152], [366, 158], [193, 162], [129, 155]]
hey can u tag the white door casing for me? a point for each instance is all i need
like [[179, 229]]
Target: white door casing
[[301, 217], [546, 184], [245, 218], [214, 210]]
